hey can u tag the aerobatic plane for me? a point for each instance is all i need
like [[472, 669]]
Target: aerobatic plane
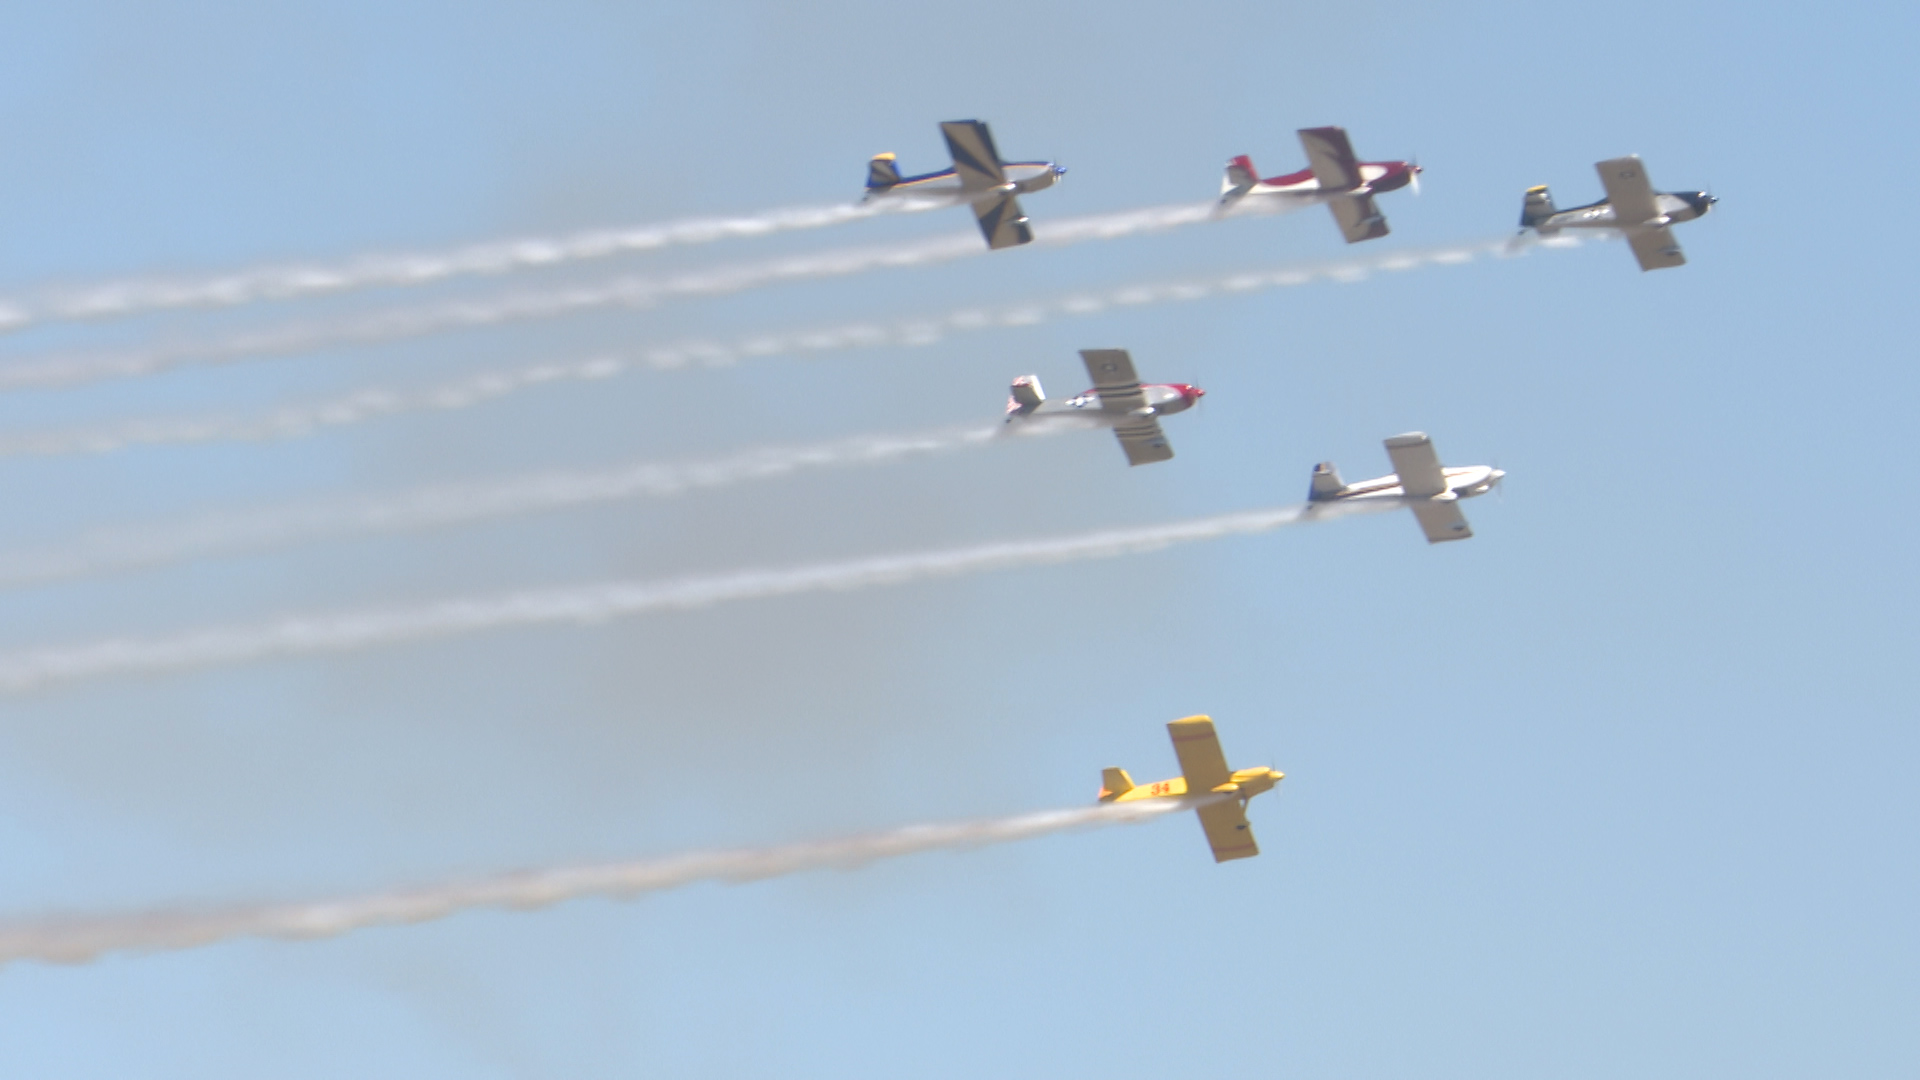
[[1333, 176], [1117, 400], [1631, 207], [1203, 772], [978, 177], [1418, 483]]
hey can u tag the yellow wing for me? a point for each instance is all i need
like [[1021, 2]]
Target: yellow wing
[[1227, 830], [1198, 749]]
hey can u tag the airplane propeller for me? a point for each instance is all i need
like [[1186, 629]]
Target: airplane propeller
[[1414, 175]]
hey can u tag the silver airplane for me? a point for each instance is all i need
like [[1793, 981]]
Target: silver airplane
[[1418, 482], [1118, 400], [978, 178], [1631, 207]]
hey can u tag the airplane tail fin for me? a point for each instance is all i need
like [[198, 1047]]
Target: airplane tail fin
[[882, 172], [1114, 783], [1025, 396], [1240, 177], [1537, 208], [1326, 483]]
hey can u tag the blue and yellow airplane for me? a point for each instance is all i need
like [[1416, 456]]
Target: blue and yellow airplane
[[1203, 771], [978, 178]]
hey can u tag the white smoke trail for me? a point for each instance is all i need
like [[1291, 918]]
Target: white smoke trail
[[147, 544], [78, 939], [133, 297], [344, 631], [295, 421], [625, 292]]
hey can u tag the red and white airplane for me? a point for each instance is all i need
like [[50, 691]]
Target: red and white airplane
[[1333, 176], [1118, 400]]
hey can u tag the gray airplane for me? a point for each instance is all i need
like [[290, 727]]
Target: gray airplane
[[1631, 207]]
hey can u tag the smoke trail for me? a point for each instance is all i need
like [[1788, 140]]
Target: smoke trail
[[344, 631], [134, 297], [81, 938], [300, 420], [129, 547], [627, 292]]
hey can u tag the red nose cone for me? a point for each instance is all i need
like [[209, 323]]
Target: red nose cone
[[1191, 393]]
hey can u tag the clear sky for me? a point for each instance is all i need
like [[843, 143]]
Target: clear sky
[[1621, 786]]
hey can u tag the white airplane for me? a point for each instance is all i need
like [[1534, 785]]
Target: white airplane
[[1631, 207], [978, 178], [1117, 400], [1418, 483], [1333, 176]]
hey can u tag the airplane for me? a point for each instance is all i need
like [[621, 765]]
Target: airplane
[[1631, 207], [1203, 771], [1417, 482], [1117, 400], [1333, 176], [978, 177]]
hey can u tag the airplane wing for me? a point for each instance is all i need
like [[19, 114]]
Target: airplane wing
[[1359, 218], [1330, 156], [1655, 248], [1628, 190], [1441, 521], [1198, 749], [1417, 465], [1118, 385], [1002, 222], [1114, 379], [975, 160], [1143, 441], [1227, 830]]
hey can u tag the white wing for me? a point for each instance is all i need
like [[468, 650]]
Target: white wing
[[1417, 465], [1441, 520]]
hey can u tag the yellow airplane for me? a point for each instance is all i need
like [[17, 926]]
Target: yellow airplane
[[1203, 770]]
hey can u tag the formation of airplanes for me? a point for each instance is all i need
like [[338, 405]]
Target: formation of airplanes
[[1336, 177]]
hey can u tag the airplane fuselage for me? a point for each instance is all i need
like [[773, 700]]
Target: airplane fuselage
[[1242, 785], [1162, 399], [1023, 177], [1673, 207], [1463, 482], [1375, 177]]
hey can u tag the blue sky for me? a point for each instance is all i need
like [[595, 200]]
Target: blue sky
[[1622, 785]]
